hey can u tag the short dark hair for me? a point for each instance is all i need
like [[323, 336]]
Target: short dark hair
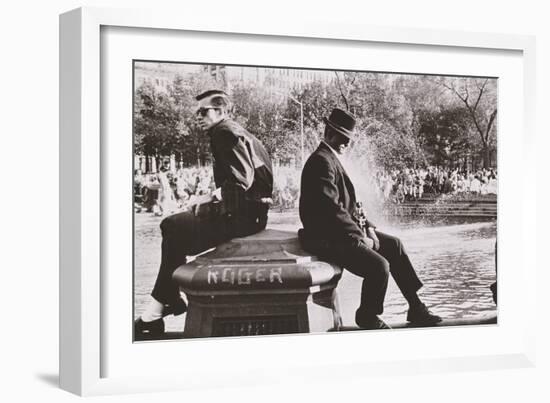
[[210, 93], [220, 99]]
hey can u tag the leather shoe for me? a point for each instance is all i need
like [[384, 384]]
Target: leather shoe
[[148, 330], [422, 316], [176, 308], [370, 322]]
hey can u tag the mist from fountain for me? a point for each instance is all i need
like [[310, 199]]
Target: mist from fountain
[[362, 171]]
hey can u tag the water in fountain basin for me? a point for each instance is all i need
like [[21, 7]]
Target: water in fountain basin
[[453, 257], [455, 260]]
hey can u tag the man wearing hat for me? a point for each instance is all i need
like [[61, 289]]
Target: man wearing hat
[[244, 179], [334, 231]]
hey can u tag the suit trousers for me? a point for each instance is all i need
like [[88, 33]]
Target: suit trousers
[[186, 234], [375, 267]]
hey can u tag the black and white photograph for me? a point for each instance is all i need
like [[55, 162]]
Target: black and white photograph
[[276, 200], [233, 201]]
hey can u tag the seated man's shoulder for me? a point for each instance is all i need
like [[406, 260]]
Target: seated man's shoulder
[[226, 127], [318, 160], [231, 131]]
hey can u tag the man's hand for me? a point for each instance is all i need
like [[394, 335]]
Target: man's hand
[[369, 242], [371, 234], [217, 194]]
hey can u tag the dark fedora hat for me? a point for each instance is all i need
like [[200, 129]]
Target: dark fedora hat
[[341, 121]]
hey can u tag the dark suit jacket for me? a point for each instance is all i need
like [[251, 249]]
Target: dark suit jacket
[[242, 167], [327, 199]]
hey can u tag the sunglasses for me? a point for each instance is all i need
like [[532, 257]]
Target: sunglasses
[[204, 110]]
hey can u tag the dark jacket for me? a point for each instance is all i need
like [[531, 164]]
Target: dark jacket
[[327, 200], [242, 167]]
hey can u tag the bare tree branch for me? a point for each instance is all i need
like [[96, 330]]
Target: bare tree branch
[[465, 84], [473, 109], [339, 84], [481, 91], [454, 90], [490, 124]]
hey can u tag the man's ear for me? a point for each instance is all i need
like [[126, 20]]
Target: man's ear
[[227, 112]]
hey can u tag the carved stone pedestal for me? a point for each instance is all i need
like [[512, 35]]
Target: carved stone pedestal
[[262, 284]]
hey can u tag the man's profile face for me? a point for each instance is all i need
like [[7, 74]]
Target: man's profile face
[[337, 141], [207, 114]]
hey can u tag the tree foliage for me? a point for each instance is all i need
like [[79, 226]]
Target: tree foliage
[[478, 96], [446, 135], [263, 114], [164, 121], [402, 120]]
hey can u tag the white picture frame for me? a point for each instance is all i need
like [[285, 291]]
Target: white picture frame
[[83, 301]]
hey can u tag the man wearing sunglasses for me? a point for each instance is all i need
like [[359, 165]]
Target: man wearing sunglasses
[[243, 176]]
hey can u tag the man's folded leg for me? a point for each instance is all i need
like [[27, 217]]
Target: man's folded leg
[[407, 280], [366, 263], [183, 234]]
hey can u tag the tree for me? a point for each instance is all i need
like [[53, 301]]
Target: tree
[[318, 101], [155, 121], [445, 135], [479, 98], [190, 143], [384, 120], [402, 120], [165, 123], [263, 114]]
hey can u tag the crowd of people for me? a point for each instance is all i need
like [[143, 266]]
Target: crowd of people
[[286, 187], [169, 191], [411, 184]]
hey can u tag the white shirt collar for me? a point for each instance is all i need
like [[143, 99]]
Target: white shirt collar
[[332, 149]]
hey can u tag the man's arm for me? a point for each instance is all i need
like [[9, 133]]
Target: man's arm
[[198, 201], [236, 159], [238, 167]]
